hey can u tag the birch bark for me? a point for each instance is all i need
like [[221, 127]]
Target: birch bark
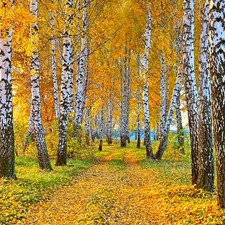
[[217, 73], [164, 139], [7, 158], [163, 89], [54, 74], [205, 149], [82, 78], [35, 124], [190, 82], [144, 67], [65, 96]]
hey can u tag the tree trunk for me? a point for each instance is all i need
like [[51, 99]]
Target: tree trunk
[[35, 124], [217, 68], [139, 122], [145, 71], [205, 149], [87, 125], [180, 129], [163, 89], [124, 131], [109, 123], [7, 157], [164, 139], [54, 74], [101, 131], [190, 82], [65, 88], [82, 78]]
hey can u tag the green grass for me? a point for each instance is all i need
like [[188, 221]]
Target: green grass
[[117, 164], [33, 185]]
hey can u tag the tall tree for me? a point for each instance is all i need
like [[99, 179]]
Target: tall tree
[[205, 148], [35, 123], [54, 74], [82, 76], [145, 69], [65, 91], [163, 90], [125, 106], [101, 128], [7, 161], [139, 121], [190, 82], [217, 72], [180, 130], [109, 120], [164, 139]]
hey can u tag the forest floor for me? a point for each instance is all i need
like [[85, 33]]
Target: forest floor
[[121, 189]]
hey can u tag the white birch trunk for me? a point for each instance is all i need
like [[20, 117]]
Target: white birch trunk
[[217, 73], [163, 89], [190, 82], [101, 130], [87, 125], [54, 74], [65, 98], [7, 158], [139, 121], [35, 124], [124, 130], [144, 68], [180, 131], [205, 149], [164, 139], [82, 70], [109, 120]]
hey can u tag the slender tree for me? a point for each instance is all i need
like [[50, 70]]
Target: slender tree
[[164, 139], [82, 76], [36, 129], [139, 121], [54, 74], [190, 82], [144, 68], [125, 106], [163, 90], [205, 148], [101, 128], [65, 86], [7, 158], [109, 121], [217, 72]]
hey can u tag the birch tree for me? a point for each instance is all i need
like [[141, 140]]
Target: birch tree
[[36, 129], [54, 74], [217, 73], [205, 149], [190, 82], [145, 70], [7, 158], [82, 76], [65, 88], [101, 129], [164, 138], [125, 107], [180, 131], [109, 120], [163, 90], [139, 121]]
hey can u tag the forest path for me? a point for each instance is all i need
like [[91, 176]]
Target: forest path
[[114, 191]]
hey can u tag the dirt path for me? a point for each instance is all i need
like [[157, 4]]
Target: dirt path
[[111, 192], [117, 191]]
